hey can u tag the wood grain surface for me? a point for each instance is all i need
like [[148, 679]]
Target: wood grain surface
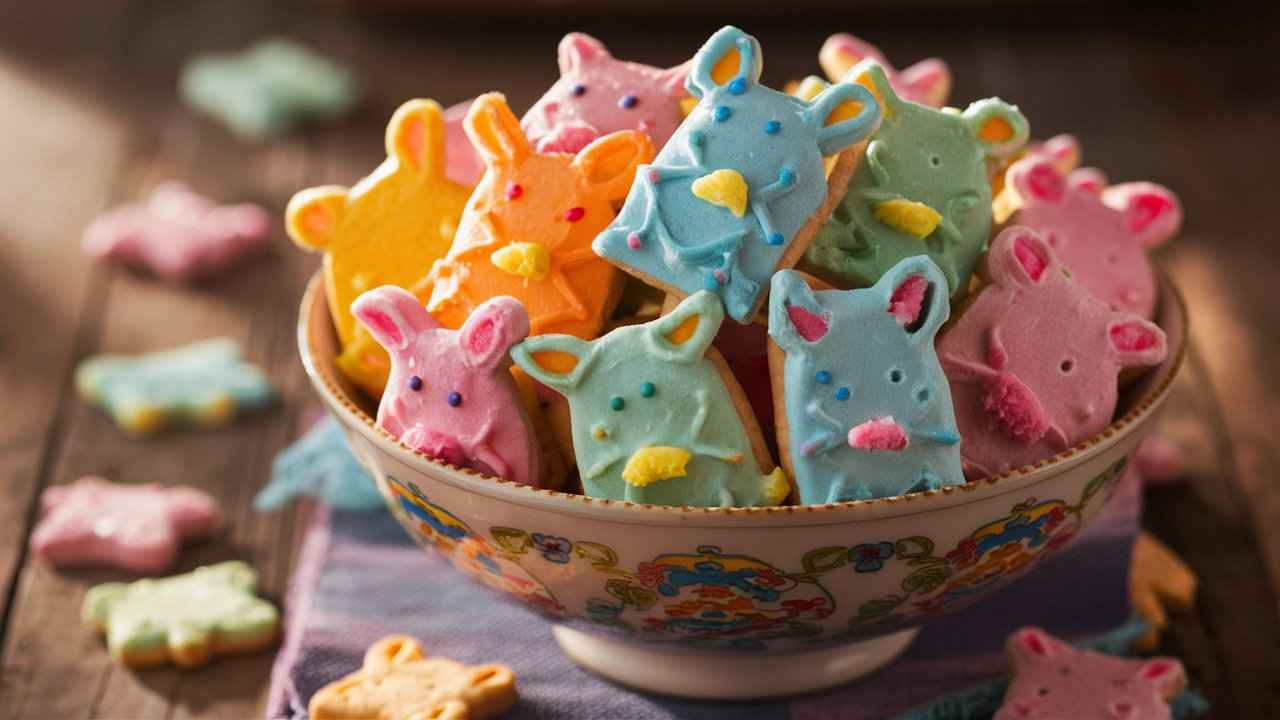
[[89, 117]]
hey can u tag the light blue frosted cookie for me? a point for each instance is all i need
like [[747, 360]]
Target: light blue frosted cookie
[[205, 383], [319, 464], [268, 89]]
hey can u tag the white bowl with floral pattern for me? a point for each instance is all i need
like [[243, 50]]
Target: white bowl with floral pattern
[[700, 602]]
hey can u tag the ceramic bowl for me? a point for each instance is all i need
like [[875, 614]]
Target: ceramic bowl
[[699, 602]]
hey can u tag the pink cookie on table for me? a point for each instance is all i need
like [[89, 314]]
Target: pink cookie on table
[[1055, 681], [1033, 360], [1101, 233], [928, 82], [598, 94], [133, 527], [450, 393], [178, 234]]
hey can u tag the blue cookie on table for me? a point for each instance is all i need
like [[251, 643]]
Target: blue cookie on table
[[734, 193], [863, 407], [319, 464], [206, 383], [268, 89]]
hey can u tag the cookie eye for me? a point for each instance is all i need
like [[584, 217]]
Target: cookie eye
[[574, 214], [822, 377], [617, 403], [923, 394], [896, 376], [647, 389], [935, 161], [599, 432], [1067, 365], [415, 383], [514, 191], [579, 90], [842, 393], [772, 127], [626, 102], [722, 113], [454, 399]]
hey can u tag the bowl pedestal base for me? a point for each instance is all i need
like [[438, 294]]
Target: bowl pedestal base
[[712, 677]]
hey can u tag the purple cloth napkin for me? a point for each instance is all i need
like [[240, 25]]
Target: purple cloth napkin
[[360, 577]]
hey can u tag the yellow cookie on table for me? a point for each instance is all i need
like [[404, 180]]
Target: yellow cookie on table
[[391, 226], [398, 682], [1159, 581]]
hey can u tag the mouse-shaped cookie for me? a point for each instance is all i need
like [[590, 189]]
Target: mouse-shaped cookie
[[388, 228], [921, 186], [598, 94], [1033, 360], [739, 189], [450, 393], [657, 416], [1053, 680], [1101, 234], [863, 409], [928, 82]]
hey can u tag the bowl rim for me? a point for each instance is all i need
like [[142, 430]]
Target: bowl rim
[[314, 302]]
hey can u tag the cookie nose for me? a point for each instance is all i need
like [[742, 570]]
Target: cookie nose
[[529, 260], [651, 464], [878, 434], [723, 188], [1015, 409], [436, 444]]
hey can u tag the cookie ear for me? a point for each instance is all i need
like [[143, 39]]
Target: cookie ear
[[1152, 212], [1136, 342], [1064, 150], [314, 214], [871, 75], [393, 316], [684, 334], [494, 130], [490, 331], [917, 296], [929, 80], [415, 137], [797, 319], [997, 125], [728, 56], [579, 49], [1031, 645], [1038, 180], [842, 114], [1165, 674], [609, 163], [557, 361], [1018, 257], [842, 51], [391, 652]]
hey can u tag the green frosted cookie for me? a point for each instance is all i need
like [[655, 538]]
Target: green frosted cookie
[[184, 619], [921, 186]]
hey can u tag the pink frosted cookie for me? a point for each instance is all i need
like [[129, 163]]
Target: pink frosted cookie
[[598, 94], [928, 82], [450, 393], [1101, 233], [1033, 360], [134, 527], [461, 162], [178, 234], [1054, 681]]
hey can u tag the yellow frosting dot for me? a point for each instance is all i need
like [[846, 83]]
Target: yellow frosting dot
[[531, 261], [908, 216], [651, 464], [723, 188], [776, 487]]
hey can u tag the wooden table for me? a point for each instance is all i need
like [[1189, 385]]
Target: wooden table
[[89, 118]]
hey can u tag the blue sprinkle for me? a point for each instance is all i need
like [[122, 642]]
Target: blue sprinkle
[[786, 176], [722, 113], [772, 127], [617, 403], [823, 377], [647, 389], [415, 383], [737, 86], [628, 101], [579, 90], [842, 393], [776, 239], [455, 399]]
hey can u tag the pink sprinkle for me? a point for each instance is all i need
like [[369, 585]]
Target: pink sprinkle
[[1015, 409], [878, 434], [908, 300], [1132, 337], [811, 326], [1030, 259], [634, 242], [574, 214], [721, 277], [654, 175], [514, 191]]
